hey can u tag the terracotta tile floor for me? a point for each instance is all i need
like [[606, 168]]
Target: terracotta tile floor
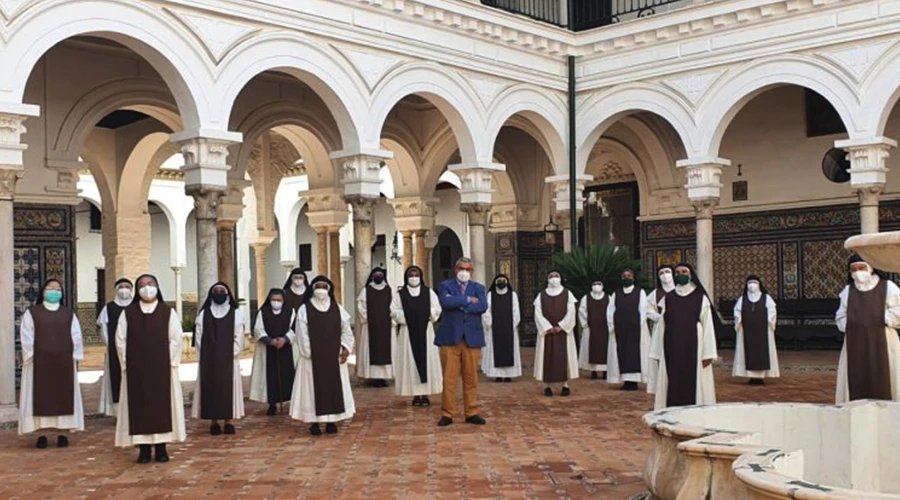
[[590, 445]]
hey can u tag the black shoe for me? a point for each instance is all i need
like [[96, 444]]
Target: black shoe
[[425, 401], [756, 381], [565, 391], [475, 419], [630, 386], [594, 376], [62, 442], [143, 454], [315, 430], [162, 456], [272, 410], [603, 376], [548, 392], [498, 379], [215, 429], [229, 429], [417, 401], [445, 421], [330, 428], [381, 383], [42, 442], [507, 380]]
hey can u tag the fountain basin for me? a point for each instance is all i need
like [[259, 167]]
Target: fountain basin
[[880, 250], [745, 451]]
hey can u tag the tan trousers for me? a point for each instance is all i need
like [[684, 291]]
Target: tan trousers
[[454, 359]]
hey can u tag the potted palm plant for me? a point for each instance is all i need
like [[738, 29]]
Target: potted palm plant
[[581, 267]]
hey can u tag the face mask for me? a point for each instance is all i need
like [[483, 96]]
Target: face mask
[[862, 276], [378, 279], [320, 293], [124, 293], [665, 278], [220, 298], [148, 292], [682, 279], [276, 306], [753, 287], [598, 289], [298, 282], [627, 282], [501, 285], [52, 296], [414, 281], [554, 282], [463, 276]]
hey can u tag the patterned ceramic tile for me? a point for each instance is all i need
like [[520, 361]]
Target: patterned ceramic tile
[[733, 265], [824, 268]]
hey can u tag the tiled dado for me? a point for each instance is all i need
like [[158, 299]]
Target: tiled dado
[[797, 253]]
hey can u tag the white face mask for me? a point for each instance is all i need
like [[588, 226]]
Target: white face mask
[[148, 292], [861, 277], [124, 293], [463, 276], [753, 287], [666, 278], [597, 289], [298, 282], [554, 282], [414, 281], [321, 293], [276, 306]]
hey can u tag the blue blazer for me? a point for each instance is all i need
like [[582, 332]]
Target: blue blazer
[[461, 320]]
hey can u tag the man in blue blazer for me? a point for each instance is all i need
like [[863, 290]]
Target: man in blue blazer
[[460, 338]]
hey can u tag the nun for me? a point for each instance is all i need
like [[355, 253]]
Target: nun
[[755, 318], [414, 310], [50, 397], [322, 391], [629, 337], [295, 289], [665, 283], [555, 358], [112, 369], [149, 342], [502, 359], [869, 315], [375, 353], [218, 393], [593, 314], [276, 353], [684, 344]]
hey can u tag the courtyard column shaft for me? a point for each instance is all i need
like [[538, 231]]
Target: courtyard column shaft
[[335, 249], [12, 151], [262, 288], [225, 247], [704, 188], [560, 202], [179, 302], [321, 251], [363, 236], [868, 175], [206, 179], [420, 249], [414, 216], [327, 213], [475, 191], [407, 249]]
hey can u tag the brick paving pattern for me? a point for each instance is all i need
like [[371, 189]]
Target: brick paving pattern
[[590, 445]]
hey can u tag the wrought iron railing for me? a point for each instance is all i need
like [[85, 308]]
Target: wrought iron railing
[[548, 11]]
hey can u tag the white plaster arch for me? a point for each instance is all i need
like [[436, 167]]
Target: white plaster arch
[[740, 85], [449, 92], [545, 111], [317, 65], [320, 170], [137, 174], [603, 109], [172, 51], [438, 154], [880, 93], [403, 166], [288, 205], [170, 198]]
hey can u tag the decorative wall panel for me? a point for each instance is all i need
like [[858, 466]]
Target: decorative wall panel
[[824, 268], [733, 264]]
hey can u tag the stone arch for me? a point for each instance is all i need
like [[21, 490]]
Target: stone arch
[[881, 92], [139, 170], [438, 153], [403, 169], [167, 46], [740, 85], [107, 196], [546, 113], [601, 110], [448, 92], [317, 65]]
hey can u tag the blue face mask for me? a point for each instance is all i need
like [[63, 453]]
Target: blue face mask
[[52, 296]]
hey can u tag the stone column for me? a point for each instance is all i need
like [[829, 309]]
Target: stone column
[[335, 249], [478, 219], [420, 248], [561, 210], [407, 249], [206, 179], [321, 251], [361, 180], [868, 175], [475, 199], [262, 289], [327, 212], [363, 236], [179, 303], [704, 191], [225, 247], [430, 242], [12, 150]]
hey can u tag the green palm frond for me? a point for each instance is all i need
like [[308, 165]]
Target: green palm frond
[[581, 267]]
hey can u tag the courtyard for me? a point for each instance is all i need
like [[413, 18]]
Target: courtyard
[[590, 445]]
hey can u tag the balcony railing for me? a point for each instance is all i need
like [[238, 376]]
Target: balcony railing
[[587, 14], [548, 11]]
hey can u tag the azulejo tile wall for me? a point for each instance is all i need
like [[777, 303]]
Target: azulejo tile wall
[[44, 248], [799, 254]]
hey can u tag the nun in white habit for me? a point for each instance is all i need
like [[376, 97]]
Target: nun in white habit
[[377, 343], [555, 358], [322, 392], [276, 353], [665, 283], [594, 309], [755, 319], [629, 335], [112, 368], [414, 309], [501, 300]]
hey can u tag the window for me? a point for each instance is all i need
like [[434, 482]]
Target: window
[[306, 256], [96, 219]]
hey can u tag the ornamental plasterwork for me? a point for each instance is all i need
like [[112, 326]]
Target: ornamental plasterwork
[[217, 35], [282, 156], [694, 86], [370, 66], [612, 172], [859, 59]]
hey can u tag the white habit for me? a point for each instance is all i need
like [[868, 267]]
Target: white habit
[[615, 376], [653, 315], [706, 349], [237, 394], [740, 365], [407, 383], [567, 324], [107, 406], [258, 380], [584, 353], [891, 323], [27, 421], [123, 439], [487, 357], [303, 399], [363, 368]]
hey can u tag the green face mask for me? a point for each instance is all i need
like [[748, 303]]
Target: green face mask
[[52, 296], [682, 279], [627, 282]]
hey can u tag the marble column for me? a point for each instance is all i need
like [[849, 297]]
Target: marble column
[[225, 245], [478, 219], [205, 209], [335, 249], [12, 126], [321, 251], [868, 175], [179, 302], [420, 249], [262, 289], [704, 212], [363, 236], [407, 249], [430, 242]]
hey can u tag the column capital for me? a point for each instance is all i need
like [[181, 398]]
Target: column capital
[[205, 155], [703, 177], [414, 213], [363, 208], [867, 160], [516, 217], [8, 179], [327, 207], [360, 172], [477, 212], [561, 198], [476, 179], [206, 201], [12, 126], [704, 208]]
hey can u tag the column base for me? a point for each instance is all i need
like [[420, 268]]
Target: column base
[[9, 413]]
